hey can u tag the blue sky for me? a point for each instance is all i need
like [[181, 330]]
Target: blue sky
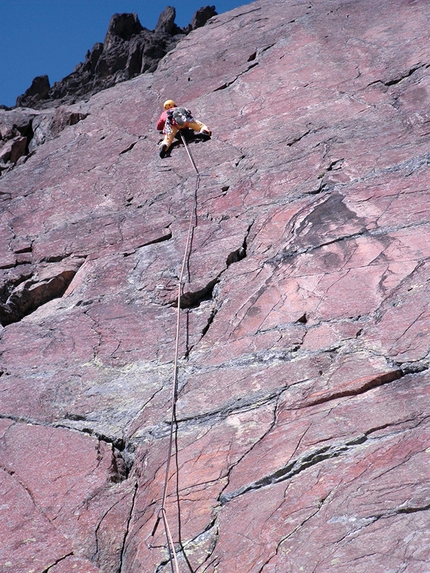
[[39, 37]]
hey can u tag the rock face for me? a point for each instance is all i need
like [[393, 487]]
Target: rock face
[[302, 416], [129, 49]]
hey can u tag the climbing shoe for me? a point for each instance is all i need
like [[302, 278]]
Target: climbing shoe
[[163, 151], [204, 134]]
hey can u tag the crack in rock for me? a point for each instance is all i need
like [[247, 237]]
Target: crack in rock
[[400, 77], [412, 509], [57, 562], [194, 299], [295, 530], [380, 380], [206, 541], [123, 455], [298, 138], [254, 445], [29, 292], [127, 528], [129, 148], [161, 239], [229, 83], [309, 459], [296, 467], [242, 404], [234, 257], [209, 322]]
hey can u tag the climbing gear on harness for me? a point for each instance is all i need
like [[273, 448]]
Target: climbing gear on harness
[[179, 116], [168, 104]]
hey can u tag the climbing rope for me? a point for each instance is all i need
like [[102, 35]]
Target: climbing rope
[[174, 393]]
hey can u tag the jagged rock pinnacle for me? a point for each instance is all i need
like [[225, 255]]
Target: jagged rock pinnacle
[[128, 49]]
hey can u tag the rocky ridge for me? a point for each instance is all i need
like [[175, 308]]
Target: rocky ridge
[[302, 413], [128, 50]]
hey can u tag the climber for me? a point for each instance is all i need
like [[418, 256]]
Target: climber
[[174, 119]]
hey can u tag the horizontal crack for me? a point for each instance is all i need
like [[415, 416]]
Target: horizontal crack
[[380, 380], [281, 257], [239, 405], [194, 299], [413, 509], [243, 404], [309, 459], [401, 77], [298, 138], [399, 511], [295, 467], [123, 452], [159, 239], [129, 148]]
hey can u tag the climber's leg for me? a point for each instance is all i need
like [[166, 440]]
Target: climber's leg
[[169, 136]]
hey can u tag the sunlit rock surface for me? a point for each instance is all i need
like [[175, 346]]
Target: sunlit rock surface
[[303, 403]]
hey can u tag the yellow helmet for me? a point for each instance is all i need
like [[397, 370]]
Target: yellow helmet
[[169, 104]]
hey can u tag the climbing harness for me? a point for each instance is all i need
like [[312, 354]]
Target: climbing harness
[[162, 514]]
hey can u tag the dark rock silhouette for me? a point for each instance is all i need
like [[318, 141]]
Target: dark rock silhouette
[[39, 90], [128, 49]]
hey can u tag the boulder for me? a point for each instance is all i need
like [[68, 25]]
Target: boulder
[[13, 150]]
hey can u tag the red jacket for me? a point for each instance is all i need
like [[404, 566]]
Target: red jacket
[[162, 119]]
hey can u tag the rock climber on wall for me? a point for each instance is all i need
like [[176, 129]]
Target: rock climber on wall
[[174, 119]]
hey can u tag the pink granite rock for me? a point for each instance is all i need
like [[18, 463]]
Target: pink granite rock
[[303, 388]]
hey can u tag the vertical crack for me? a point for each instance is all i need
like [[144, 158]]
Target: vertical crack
[[234, 257], [209, 538], [127, 529]]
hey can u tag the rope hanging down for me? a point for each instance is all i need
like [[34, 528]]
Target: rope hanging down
[[174, 395]]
